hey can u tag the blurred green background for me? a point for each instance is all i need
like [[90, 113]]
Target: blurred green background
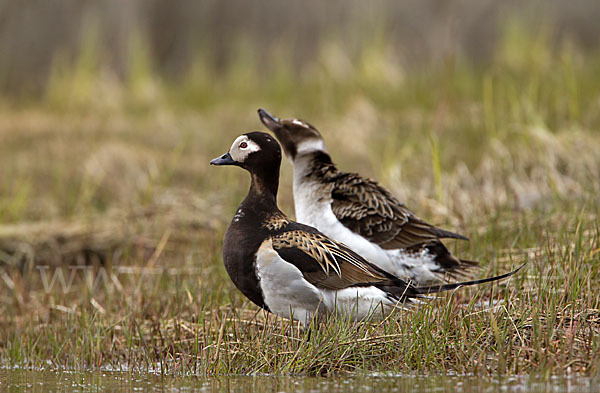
[[216, 50], [418, 94]]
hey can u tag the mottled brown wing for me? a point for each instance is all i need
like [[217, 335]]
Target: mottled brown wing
[[325, 263], [373, 212]]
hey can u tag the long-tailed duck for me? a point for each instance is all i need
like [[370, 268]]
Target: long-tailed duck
[[359, 212], [292, 269]]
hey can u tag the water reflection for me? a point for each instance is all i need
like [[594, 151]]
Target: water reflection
[[24, 380]]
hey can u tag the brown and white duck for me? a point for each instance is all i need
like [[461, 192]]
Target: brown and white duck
[[292, 269], [359, 212]]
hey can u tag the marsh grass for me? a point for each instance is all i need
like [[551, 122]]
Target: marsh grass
[[506, 154], [189, 321]]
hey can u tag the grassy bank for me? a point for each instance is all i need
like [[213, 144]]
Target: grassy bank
[[106, 184]]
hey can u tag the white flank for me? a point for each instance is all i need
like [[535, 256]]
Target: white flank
[[284, 288]]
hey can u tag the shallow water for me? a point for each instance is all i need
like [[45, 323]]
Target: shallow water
[[17, 380]]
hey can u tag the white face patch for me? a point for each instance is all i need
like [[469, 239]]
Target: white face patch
[[242, 147]]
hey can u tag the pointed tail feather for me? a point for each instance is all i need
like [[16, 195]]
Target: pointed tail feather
[[449, 287]]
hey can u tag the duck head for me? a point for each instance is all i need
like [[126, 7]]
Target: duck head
[[297, 137], [258, 153], [251, 151]]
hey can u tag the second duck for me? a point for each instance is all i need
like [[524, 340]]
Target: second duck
[[359, 212]]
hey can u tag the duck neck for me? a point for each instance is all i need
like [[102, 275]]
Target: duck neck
[[263, 189]]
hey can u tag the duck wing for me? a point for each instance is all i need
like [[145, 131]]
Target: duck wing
[[366, 208], [324, 262]]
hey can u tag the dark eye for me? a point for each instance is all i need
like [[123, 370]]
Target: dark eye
[[243, 145]]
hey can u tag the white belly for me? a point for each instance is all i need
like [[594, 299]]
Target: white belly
[[360, 303]]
